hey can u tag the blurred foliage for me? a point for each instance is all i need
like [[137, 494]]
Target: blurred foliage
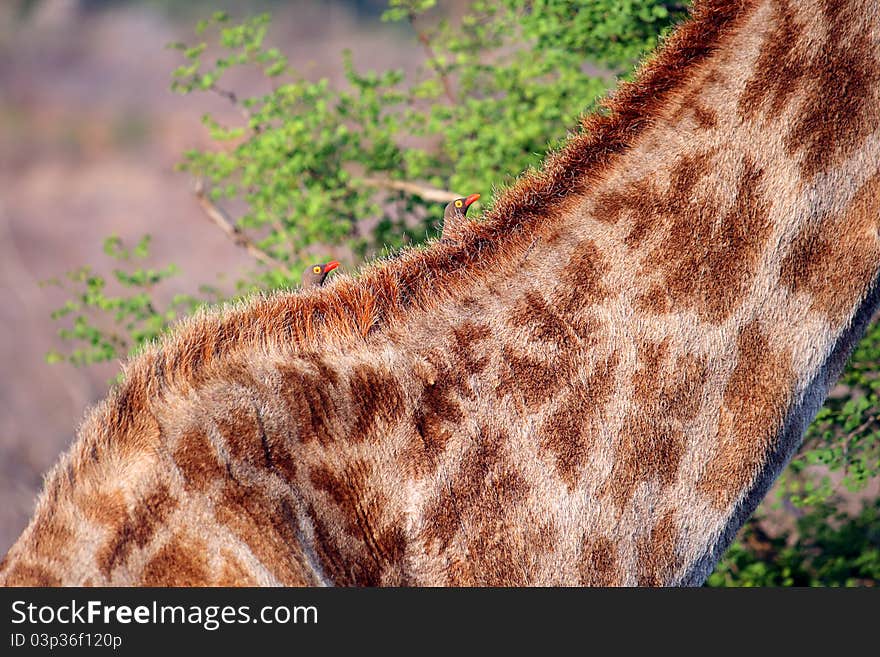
[[826, 548], [845, 436], [184, 9], [498, 90], [102, 326]]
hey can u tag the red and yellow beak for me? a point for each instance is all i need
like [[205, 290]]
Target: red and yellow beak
[[470, 199], [330, 266]]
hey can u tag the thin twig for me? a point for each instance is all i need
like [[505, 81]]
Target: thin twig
[[852, 434], [846, 441], [224, 223], [233, 98], [416, 189], [432, 56]]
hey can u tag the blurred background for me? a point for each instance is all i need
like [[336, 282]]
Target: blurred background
[[90, 133], [313, 157]]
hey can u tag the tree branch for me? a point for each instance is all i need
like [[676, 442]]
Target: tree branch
[[224, 223], [432, 57], [422, 191], [233, 98]]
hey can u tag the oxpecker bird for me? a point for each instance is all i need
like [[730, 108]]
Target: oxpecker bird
[[314, 276], [454, 215]]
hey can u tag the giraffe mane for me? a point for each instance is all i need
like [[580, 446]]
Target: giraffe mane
[[353, 308]]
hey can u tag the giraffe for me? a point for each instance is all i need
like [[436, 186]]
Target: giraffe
[[594, 385]]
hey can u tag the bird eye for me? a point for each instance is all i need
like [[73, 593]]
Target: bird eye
[[458, 204], [316, 269]]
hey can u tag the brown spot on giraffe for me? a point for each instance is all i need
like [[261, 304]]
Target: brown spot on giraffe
[[312, 402], [779, 68], [283, 458], [479, 470], [440, 404], [705, 117], [571, 430], [645, 219], [656, 552], [244, 436], [656, 301], [55, 538], [543, 323], [532, 380], [323, 369], [646, 453], [598, 565], [476, 505], [693, 104], [268, 526], [233, 572], [832, 78], [652, 440], [133, 424], [466, 337], [23, 574], [251, 442], [648, 206], [372, 549], [714, 261], [344, 490], [581, 279], [611, 206], [644, 201], [183, 561], [832, 258], [837, 113], [376, 398], [137, 529], [197, 460], [109, 508], [754, 401], [332, 558], [429, 437]]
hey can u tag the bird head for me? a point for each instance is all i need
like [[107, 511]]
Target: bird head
[[459, 207], [314, 275]]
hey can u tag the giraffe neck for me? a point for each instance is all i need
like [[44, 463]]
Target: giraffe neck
[[595, 385]]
